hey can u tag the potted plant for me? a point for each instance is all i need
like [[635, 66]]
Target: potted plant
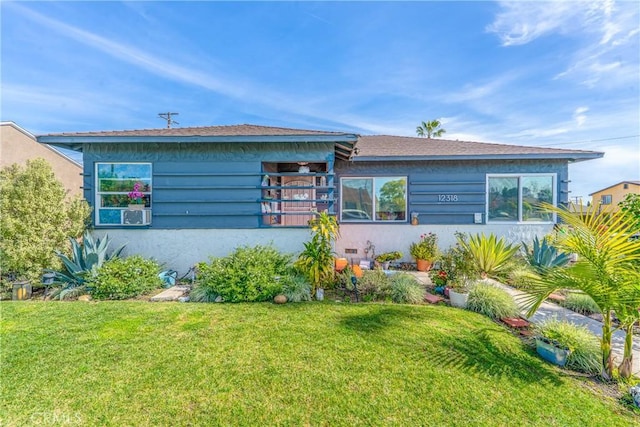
[[385, 258], [439, 278], [136, 197], [425, 251], [552, 351], [459, 292]]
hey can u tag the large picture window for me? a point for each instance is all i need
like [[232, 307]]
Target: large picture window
[[373, 199], [123, 193], [516, 198]]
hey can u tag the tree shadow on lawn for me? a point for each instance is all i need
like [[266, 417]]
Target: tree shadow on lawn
[[488, 352], [374, 321]]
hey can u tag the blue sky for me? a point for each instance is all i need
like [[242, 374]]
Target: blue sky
[[559, 74]]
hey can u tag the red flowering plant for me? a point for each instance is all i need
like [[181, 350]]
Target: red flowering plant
[[136, 196], [439, 277]]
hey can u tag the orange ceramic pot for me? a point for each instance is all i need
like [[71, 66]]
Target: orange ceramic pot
[[423, 265], [357, 271], [341, 263]]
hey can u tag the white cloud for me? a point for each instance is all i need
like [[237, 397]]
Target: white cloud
[[606, 30], [579, 115]]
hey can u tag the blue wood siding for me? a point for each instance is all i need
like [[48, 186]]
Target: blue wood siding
[[204, 185], [464, 179]]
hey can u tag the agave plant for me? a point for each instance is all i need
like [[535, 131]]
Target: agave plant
[[489, 255], [606, 270], [543, 255], [84, 263]]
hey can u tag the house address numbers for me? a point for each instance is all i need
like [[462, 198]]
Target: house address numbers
[[447, 198]]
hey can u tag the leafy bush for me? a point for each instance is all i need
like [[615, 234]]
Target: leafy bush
[[489, 255], [580, 303], [84, 263], [543, 255], [389, 256], [521, 277], [316, 260], [491, 301], [35, 219], [122, 278], [373, 285], [584, 346], [405, 289], [296, 288], [248, 274]]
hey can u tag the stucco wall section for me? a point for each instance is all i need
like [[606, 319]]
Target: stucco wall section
[[18, 146], [181, 249], [393, 237]]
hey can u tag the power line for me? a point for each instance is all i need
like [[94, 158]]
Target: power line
[[588, 141], [167, 117]]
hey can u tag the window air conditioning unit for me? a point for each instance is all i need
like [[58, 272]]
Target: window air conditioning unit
[[136, 217]]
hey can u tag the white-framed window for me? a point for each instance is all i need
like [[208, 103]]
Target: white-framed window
[[123, 193], [516, 197], [376, 199], [605, 199]]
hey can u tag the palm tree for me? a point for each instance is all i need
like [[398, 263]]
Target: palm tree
[[430, 129], [606, 270]]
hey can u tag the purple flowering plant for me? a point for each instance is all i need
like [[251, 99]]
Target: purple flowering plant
[[136, 195]]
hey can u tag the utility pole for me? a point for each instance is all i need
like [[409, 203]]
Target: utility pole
[[167, 117]]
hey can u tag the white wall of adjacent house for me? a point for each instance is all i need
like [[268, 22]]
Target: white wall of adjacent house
[[182, 248]]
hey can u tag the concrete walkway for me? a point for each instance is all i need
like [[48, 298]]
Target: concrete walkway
[[549, 310]]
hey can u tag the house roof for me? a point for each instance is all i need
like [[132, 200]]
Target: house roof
[[344, 142], [386, 147], [367, 147], [615, 185]]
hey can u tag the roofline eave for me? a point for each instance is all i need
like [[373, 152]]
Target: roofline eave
[[576, 157]]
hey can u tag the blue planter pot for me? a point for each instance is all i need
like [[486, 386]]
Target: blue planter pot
[[551, 352]]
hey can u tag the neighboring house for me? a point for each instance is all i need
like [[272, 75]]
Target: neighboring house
[[208, 190], [17, 146], [608, 198]]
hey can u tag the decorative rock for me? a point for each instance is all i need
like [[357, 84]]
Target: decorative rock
[[183, 299], [219, 299], [85, 298], [635, 393], [280, 299]]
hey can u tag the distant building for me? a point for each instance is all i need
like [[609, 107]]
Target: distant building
[[610, 197], [18, 145]]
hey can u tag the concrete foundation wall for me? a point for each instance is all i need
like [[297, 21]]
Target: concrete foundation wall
[[394, 237], [180, 249]]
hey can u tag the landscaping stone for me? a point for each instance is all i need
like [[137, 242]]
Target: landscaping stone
[[515, 322], [280, 299], [556, 297], [171, 294], [433, 299], [84, 298]]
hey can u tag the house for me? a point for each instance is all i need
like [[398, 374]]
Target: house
[[207, 190], [18, 145], [608, 198]]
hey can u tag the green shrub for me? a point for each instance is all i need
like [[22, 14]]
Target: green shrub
[[489, 255], [373, 285], [296, 288], [491, 301], [580, 303], [405, 289], [84, 263], [248, 274], [35, 219], [122, 278], [521, 277], [584, 345]]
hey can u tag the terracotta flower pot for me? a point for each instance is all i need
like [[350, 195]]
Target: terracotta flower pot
[[423, 265], [341, 263]]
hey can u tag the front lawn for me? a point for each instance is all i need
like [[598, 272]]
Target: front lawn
[[137, 363]]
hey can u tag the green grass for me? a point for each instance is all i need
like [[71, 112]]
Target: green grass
[[154, 364]]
